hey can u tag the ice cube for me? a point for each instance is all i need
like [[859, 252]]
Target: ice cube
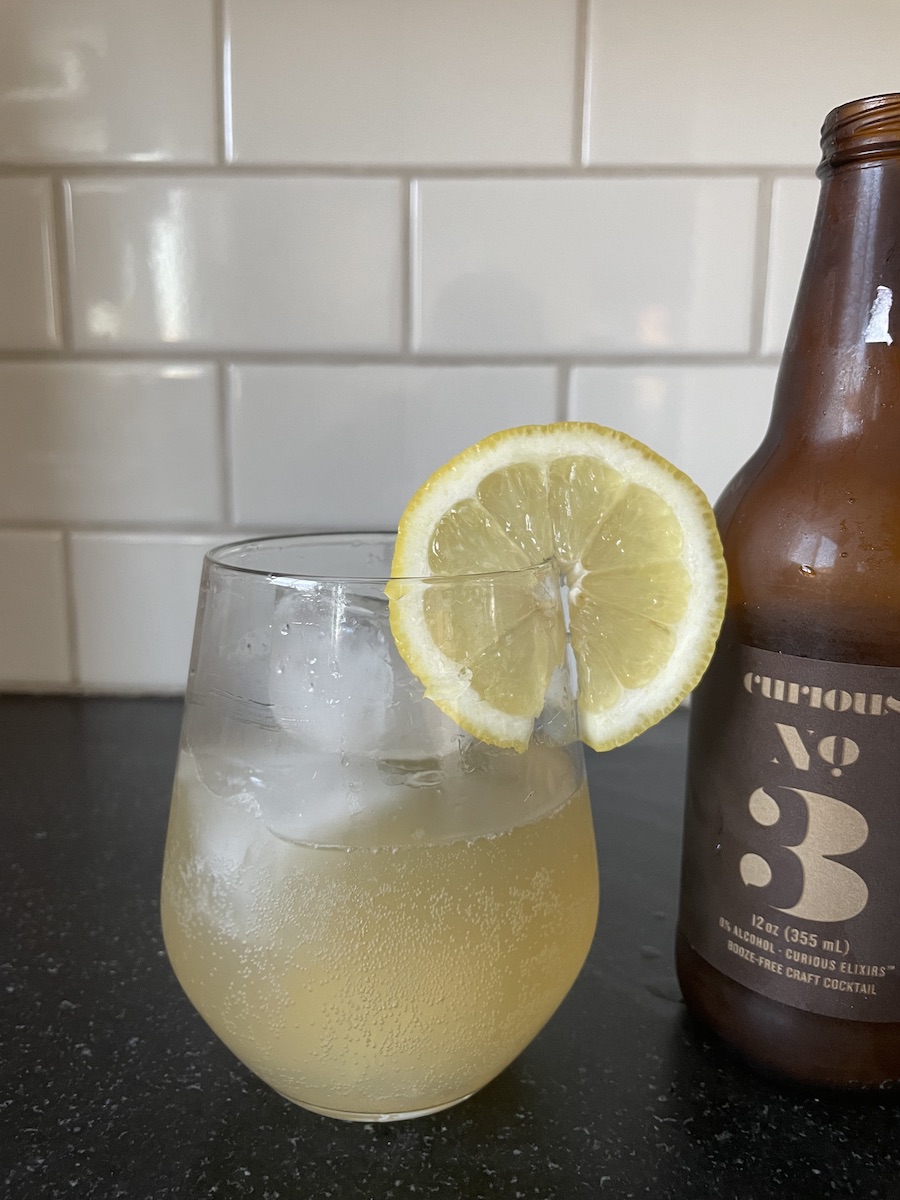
[[331, 681], [338, 683], [303, 797]]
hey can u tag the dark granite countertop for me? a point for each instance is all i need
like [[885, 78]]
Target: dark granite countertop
[[112, 1086]]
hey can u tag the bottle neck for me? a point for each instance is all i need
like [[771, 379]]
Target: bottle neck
[[840, 373]]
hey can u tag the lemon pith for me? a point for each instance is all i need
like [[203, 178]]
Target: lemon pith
[[636, 543]]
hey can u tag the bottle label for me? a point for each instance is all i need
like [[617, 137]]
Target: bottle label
[[791, 881]]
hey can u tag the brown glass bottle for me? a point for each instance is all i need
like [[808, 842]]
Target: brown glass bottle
[[794, 754]]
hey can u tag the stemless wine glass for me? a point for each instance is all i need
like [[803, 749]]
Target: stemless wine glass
[[372, 908]]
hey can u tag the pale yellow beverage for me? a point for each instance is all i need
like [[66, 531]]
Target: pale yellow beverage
[[404, 956]]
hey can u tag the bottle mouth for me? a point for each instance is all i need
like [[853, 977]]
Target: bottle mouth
[[861, 130]]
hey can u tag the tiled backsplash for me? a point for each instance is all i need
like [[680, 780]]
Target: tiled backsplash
[[264, 264]]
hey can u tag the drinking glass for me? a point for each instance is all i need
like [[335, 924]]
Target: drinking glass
[[373, 909]]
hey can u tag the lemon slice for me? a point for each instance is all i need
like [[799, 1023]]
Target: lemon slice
[[635, 541]]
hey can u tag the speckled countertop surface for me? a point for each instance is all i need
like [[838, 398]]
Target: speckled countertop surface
[[112, 1086]]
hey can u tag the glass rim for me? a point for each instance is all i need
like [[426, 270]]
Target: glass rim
[[216, 557]]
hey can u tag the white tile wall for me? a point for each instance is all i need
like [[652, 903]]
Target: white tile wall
[[793, 210], [708, 82], [135, 598], [584, 265], [402, 81], [28, 305], [104, 442], [34, 644], [255, 264], [705, 420], [265, 263], [107, 81], [345, 447]]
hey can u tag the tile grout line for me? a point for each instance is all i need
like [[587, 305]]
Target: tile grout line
[[761, 263], [159, 355], [563, 386], [175, 529], [158, 529], [229, 169], [71, 609], [62, 238], [155, 529], [409, 199], [581, 120], [222, 84], [226, 442]]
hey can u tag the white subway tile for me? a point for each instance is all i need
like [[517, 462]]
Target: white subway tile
[[28, 305], [256, 264], [34, 640], [403, 81], [320, 447], [109, 442], [107, 80], [584, 265], [793, 209], [135, 602], [706, 420], [715, 83]]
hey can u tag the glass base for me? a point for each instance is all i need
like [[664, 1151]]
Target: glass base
[[372, 1117]]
